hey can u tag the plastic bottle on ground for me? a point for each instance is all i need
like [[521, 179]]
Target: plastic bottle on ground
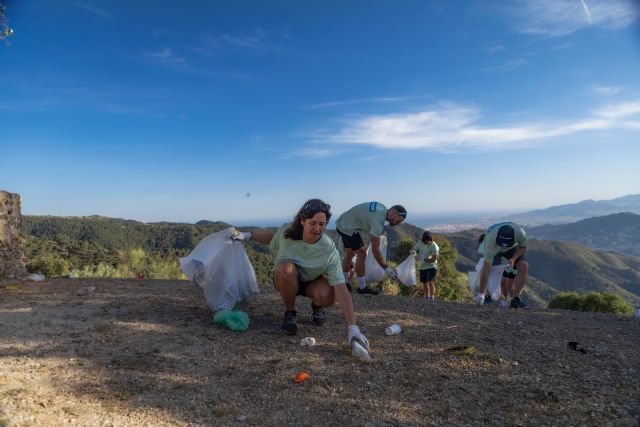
[[393, 329]]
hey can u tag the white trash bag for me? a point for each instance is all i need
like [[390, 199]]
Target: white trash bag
[[495, 278], [372, 270], [407, 271], [221, 267]]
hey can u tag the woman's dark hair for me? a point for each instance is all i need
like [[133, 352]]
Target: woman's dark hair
[[308, 210], [481, 238], [426, 236]]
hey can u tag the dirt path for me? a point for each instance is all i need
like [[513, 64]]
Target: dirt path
[[146, 353]]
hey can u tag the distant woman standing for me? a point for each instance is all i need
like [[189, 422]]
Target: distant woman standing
[[308, 264], [427, 251]]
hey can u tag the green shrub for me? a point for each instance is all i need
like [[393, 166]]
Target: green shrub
[[603, 302], [50, 266]]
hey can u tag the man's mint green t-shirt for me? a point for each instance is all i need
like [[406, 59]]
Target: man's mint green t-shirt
[[491, 248], [366, 217], [424, 251], [311, 259]]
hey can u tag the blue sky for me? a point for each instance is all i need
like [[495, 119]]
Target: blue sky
[[240, 111]]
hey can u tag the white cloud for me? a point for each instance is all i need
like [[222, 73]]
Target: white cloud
[[495, 48], [313, 153], [372, 100], [450, 127], [606, 90], [166, 56], [510, 65], [93, 10], [556, 18]]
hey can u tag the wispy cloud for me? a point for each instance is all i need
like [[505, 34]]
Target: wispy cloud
[[312, 153], [556, 18], [93, 10], [257, 41], [494, 48], [165, 56], [450, 127], [510, 65], [606, 90], [371, 100]]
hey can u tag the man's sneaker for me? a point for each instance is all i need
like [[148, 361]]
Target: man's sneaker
[[319, 316], [289, 323], [367, 291], [488, 300], [517, 303]]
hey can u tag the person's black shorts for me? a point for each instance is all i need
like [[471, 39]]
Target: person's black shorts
[[497, 260], [509, 274], [428, 274], [302, 286], [353, 242]]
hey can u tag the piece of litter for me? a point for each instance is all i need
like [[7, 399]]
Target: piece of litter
[[36, 277], [463, 350], [308, 341], [301, 377]]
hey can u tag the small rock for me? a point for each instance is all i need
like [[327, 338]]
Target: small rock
[[241, 418]]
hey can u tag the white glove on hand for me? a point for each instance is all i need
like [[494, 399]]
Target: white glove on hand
[[355, 334], [392, 274], [240, 235], [479, 299], [412, 252]]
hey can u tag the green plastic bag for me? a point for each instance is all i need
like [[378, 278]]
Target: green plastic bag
[[235, 320]]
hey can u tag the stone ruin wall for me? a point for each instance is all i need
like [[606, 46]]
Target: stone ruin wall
[[12, 262]]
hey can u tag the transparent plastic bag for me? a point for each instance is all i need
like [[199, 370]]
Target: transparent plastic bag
[[221, 267], [372, 270], [407, 271], [495, 278]]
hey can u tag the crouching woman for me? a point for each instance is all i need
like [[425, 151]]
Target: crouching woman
[[308, 264]]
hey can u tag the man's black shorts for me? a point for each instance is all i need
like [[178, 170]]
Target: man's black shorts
[[507, 255], [428, 274], [353, 242], [509, 274]]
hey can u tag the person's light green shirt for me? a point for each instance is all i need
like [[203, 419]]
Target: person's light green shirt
[[311, 259], [424, 251], [366, 217], [491, 248]]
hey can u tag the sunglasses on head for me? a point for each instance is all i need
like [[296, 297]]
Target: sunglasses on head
[[315, 207], [402, 214]]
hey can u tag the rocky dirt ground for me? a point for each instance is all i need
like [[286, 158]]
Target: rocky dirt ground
[[147, 353]]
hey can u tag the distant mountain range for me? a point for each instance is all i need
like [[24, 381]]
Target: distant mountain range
[[581, 210], [618, 232]]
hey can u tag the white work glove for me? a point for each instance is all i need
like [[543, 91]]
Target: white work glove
[[479, 299], [240, 235], [355, 334], [392, 274], [412, 252]]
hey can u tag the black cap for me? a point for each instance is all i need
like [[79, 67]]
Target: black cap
[[506, 236], [426, 236]]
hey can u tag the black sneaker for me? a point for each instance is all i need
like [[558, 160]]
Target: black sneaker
[[367, 291], [319, 316], [289, 323], [517, 303], [488, 300]]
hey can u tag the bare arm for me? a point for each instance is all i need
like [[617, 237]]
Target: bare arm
[[263, 237], [517, 254], [344, 298], [375, 249]]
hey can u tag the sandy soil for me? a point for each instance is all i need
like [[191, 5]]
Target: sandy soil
[[147, 353]]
